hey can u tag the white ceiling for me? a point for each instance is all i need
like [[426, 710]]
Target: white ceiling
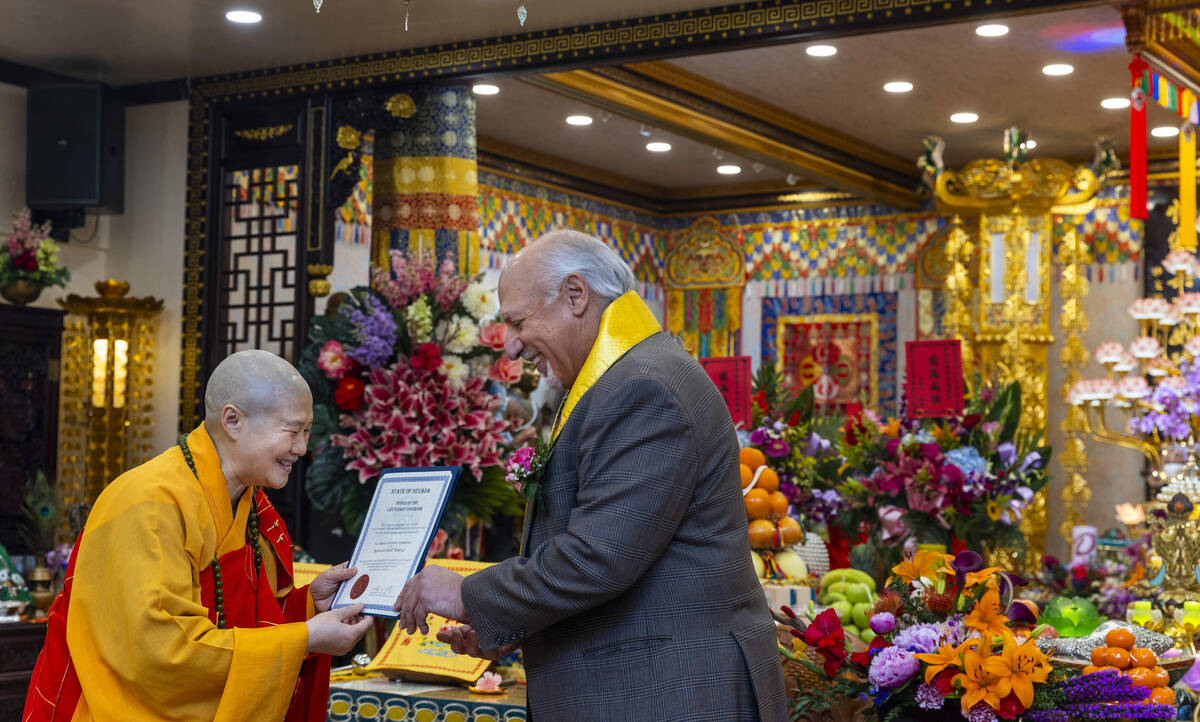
[[524, 115], [124, 42], [953, 69]]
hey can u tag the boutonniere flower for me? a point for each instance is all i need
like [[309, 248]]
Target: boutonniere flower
[[525, 469]]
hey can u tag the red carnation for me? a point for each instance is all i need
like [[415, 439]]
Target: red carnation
[[1010, 707], [945, 681], [970, 421], [427, 357], [827, 637], [349, 393]]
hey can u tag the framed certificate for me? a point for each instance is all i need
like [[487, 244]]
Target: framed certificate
[[395, 537]]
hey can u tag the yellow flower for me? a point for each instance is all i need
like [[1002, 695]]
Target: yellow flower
[[1017, 667], [946, 656], [925, 564], [891, 428], [978, 684], [993, 511], [987, 616]]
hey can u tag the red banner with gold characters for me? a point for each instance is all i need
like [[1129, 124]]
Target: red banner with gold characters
[[935, 382], [731, 374]]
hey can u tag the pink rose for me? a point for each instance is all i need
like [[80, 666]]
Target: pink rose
[[506, 370], [489, 682], [891, 518], [334, 361], [437, 544], [492, 336], [454, 553]]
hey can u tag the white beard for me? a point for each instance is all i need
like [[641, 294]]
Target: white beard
[[552, 380]]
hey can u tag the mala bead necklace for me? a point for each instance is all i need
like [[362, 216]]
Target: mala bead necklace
[[251, 537]]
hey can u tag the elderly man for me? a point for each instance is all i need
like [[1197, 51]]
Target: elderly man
[[634, 596], [179, 601]]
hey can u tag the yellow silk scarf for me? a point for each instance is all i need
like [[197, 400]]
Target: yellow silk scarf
[[625, 323]]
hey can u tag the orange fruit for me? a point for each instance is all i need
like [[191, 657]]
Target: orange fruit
[[762, 534], [1118, 657], [1119, 637], [768, 480], [1141, 677], [779, 505], [1142, 657], [758, 504], [1090, 668], [747, 475], [789, 530], [1162, 695], [1100, 656], [1161, 677], [752, 458]]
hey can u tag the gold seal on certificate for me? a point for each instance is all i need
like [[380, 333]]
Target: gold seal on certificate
[[401, 521]]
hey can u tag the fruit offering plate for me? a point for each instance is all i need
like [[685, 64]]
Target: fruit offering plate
[[1171, 665]]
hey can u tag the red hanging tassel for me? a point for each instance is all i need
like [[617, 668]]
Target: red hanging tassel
[[1137, 139]]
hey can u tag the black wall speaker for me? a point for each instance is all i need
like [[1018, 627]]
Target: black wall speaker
[[76, 148]]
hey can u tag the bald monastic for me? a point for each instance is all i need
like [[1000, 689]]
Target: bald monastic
[[179, 602]]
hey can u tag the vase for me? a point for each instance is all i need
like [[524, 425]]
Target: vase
[[21, 291], [41, 589]]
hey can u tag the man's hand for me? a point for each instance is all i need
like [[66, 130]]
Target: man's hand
[[433, 591], [322, 588], [336, 632], [463, 640]]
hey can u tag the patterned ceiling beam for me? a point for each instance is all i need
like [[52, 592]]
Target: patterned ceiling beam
[[729, 27], [1167, 34], [681, 112]]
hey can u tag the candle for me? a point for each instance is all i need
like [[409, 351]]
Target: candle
[[1191, 614], [1138, 612]]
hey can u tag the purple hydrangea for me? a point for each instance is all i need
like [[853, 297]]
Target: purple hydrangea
[[892, 667], [374, 330], [928, 697], [919, 638]]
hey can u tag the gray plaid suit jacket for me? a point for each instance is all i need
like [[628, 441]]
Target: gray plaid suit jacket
[[636, 598]]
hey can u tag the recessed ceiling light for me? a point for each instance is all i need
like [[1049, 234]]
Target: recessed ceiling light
[[1165, 131], [485, 89], [243, 16], [1030, 144], [994, 30], [658, 147], [1058, 69], [898, 86], [964, 118], [729, 169], [579, 120], [821, 51], [1115, 103]]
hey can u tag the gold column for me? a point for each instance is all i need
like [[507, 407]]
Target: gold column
[[1011, 331], [1073, 286]]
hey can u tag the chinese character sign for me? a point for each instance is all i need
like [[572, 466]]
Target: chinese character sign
[[731, 374], [935, 383]]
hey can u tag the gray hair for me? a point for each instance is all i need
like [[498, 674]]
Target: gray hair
[[567, 252]]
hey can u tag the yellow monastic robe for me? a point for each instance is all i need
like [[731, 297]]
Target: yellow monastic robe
[[138, 634]]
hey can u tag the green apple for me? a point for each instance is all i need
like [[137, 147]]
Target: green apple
[[835, 588], [843, 609], [866, 635], [858, 592], [851, 629], [829, 599], [859, 614], [759, 567]]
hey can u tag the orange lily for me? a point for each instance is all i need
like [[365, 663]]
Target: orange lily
[[1017, 668], [982, 575], [945, 656], [987, 616], [891, 428], [925, 564], [978, 684]]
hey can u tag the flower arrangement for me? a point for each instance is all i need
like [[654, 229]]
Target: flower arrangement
[[30, 254], [1105, 583], [946, 633], [962, 482], [400, 378]]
